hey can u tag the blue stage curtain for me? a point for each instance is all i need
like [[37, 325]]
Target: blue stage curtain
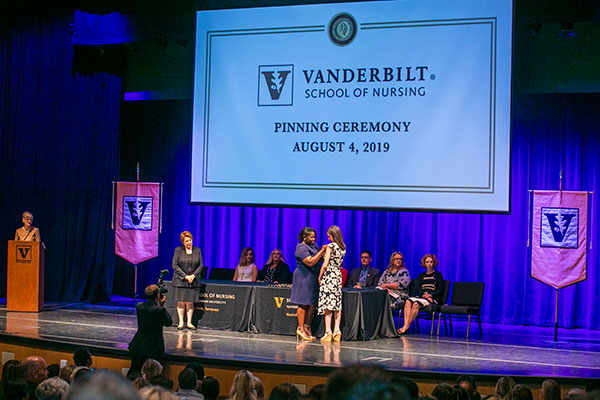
[[550, 132], [58, 155]]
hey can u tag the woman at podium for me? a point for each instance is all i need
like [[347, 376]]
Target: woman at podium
[[28, 232]]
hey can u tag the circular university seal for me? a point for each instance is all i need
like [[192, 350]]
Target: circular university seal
[[342, 29]]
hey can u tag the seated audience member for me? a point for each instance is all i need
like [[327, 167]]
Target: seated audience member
[[520, 392], [460, 393], [395, 279], [504, 386], [53, 370], [16, 390], [317, 392], [412, 389], [429, 288], [156, 393], [34, 373], [65, 373], [468, 383], [260, 388], [444, 391], [151, 368], [576, 394], [11, 371], [105, 385], [275, 270], [246, 270], [343, 383], [243, 386], [365, 276], [82, 373], [82, 358], [550, 390], [284, 391], [51, 389], [187, 385], [163, 381], [199, 370], [210, 388]]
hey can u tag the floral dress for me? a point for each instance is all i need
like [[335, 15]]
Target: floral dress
[[402, 278], [330, 290]]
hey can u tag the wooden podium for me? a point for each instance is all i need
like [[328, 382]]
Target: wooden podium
[[25, 276]]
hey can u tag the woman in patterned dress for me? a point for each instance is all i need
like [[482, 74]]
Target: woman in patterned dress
[[395, 279], [330, 284]]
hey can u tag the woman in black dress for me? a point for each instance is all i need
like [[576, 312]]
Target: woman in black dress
[[187, 266], [275, 270], [429, 286]]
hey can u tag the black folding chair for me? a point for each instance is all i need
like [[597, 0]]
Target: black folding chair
[[466, 300], [432, 309], [221, 274]]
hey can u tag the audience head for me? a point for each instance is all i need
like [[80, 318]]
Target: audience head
[[396, 261], [151, 368], [156, 393], [504, 386], [141, 382], [260, 388], [51, 389], [433, 258], [284, 391], [550, 390], [198, 369], [365, 258], [247, 256], [102, 385], [275, 257], [152, 292], [185, 234], [80, 373], [343, 382], [305, 233], [379, 391], [187, 379], [467, 382], [576, 394], [35, 369], [242, 386], [210, 388], [65, 373], [444, 391], [82, 358], [11, 371], [461, 393], [409, 385], [163, 381], [336, 236], [520, 392], [317, 392], [53, 370]]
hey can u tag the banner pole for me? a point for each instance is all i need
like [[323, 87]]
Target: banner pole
[[134, 282], [556, 318], [137, 170]]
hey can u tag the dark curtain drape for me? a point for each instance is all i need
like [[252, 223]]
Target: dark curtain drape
[[550, 133], [58, 155]]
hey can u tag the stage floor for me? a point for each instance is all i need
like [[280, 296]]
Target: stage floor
[[504, 349]]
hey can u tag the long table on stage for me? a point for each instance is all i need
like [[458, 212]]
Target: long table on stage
[[264, 308]]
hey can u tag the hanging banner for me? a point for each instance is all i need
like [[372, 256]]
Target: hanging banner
[[137, 221], [559, 237]]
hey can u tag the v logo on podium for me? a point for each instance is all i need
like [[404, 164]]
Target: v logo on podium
[[23, 253], [278, 301]]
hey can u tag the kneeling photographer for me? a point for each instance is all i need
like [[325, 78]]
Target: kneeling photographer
[[148, 341]]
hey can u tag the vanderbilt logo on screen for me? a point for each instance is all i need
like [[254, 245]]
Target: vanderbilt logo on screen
[[560, 227], [275, 85], [23, 253], [137, 213], [278, 301], [342, 29]]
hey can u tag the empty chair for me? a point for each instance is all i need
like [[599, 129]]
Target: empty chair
[[466, 300], [221, 274]]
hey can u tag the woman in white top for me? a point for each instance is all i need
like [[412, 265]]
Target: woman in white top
[[246, 270]]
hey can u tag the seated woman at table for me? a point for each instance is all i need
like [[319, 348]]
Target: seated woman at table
[[275, 270], [246, 270], [395, 279], [429, 288], [27, 232]]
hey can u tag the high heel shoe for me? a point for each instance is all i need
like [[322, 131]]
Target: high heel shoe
[[326, 338], [302, 335], [337, 336], [308, 331]]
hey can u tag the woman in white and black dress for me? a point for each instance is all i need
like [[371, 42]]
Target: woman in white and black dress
[[187, 266]]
